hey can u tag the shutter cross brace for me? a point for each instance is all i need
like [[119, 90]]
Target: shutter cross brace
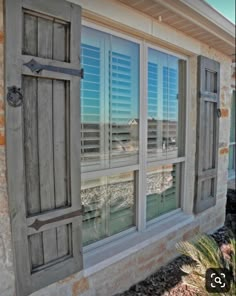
[[40, 223], [34, 66]]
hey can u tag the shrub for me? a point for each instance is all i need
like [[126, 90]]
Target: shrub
[[207, 254]]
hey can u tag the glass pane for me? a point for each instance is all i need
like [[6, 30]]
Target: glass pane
[[109, 206], [109, 101], [232, 157], [163, 105], [124, 102], [162, 190], [233, 119]]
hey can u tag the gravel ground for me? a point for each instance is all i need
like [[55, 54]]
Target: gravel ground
[[167, 280]]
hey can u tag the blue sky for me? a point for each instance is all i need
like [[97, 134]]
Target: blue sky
[[225, 7]]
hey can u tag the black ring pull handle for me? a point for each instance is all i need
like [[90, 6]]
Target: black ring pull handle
[[218, 112], [14, 96]]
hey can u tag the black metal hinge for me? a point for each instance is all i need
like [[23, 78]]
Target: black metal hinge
[[39, 223], [34, 66]]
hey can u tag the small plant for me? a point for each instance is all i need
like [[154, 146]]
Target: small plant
[[207, 254]]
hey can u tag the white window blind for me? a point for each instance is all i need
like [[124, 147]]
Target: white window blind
[[90, 105], [110, 95], [163, 71]]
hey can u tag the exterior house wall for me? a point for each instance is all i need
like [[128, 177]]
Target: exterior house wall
[[137, 263], [6, 260]]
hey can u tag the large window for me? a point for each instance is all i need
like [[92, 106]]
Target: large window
[[132, 157]]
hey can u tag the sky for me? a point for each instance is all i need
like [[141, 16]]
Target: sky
[[225, 7]]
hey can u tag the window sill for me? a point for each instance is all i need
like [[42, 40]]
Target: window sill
[[105, 255]]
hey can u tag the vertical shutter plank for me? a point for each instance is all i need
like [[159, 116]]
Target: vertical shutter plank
[[60, 169], [45, 144], [62, 240], [36, 250], [59, 139], [30, 35], [59, 42], [31, 145], [32, 164], [45, 131], [45, 38], [49, 245]]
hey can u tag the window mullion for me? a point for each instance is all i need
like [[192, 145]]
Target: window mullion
[[141, 196]]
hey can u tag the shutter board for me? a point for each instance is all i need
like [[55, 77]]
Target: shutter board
[[43, 144], [207, 133]]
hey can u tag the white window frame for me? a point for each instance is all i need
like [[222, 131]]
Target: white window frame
[[140, 169]]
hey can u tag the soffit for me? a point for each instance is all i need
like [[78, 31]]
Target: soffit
[[198, 21]]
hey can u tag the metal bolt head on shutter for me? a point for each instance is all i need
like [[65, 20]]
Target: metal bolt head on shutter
[[43, 140], [207, 133]]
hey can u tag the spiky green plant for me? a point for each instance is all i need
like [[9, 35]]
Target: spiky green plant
[[207, 254]]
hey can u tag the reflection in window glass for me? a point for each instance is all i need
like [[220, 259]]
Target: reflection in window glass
[[162, 191], [232, 144], [163, 101], [109, 101], [109, 206]]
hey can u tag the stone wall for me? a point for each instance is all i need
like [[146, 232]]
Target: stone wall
[[6, 261], [139, 263]]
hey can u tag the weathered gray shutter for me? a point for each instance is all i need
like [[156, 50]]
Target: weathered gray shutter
[[43, 140], [207, 133]]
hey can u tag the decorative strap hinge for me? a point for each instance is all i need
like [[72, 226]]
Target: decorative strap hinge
[[36, 67], [40, 223]]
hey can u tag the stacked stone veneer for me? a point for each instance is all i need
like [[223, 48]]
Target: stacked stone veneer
[[139, 263]]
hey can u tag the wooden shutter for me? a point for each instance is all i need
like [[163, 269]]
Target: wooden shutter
[[207, 133], [43, 140]]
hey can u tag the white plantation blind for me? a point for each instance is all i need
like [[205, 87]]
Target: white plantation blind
[[109, 111], [170, 105], [152, 106], [121, 104], [90, 104], [163, 88]]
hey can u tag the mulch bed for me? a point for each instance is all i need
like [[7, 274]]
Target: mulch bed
[[167, 280]]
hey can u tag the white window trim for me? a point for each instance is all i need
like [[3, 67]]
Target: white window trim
[[141, 225]]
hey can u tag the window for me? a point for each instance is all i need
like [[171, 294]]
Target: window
[[116, 187], [232, 145]]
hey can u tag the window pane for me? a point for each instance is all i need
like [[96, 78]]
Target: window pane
[[124, 85], [233, 119], [232, 157], [109, 101], [162, 190], [163, 105], [232, 146], [109, 206]]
